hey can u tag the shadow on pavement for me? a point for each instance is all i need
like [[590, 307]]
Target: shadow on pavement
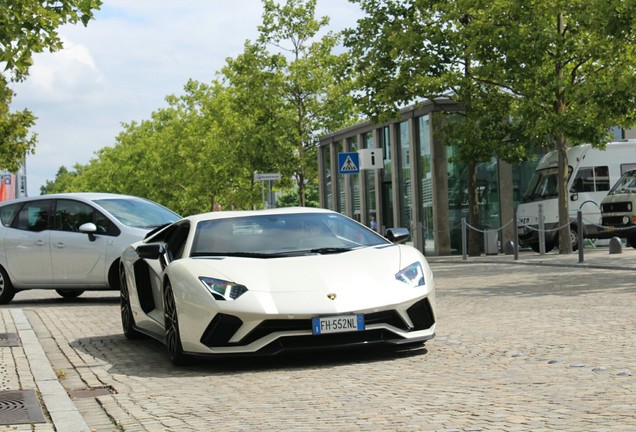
[[148, 358]]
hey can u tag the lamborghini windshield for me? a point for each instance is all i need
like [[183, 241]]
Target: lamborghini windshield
[[287, 234]]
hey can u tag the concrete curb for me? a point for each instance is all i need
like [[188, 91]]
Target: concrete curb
[[63, 412]]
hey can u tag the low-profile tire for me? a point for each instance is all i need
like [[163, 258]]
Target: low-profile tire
[[127, 318], [7, 291], [69, 293], [171, 318]]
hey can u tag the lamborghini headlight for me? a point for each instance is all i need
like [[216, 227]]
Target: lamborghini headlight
[[412, 275], [222, 289]]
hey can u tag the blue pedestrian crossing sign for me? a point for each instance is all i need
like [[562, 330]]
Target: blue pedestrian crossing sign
[[348, 163]]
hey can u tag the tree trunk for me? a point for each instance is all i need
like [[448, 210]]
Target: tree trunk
[[565, 247]]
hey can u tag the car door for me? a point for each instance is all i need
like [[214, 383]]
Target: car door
[[150, 292], [27, 245], [77, 259]]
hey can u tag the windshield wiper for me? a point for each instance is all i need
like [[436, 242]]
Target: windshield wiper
[[329, 250], [241, 254]]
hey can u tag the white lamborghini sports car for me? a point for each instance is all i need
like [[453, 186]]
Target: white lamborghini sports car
[[267, 281]]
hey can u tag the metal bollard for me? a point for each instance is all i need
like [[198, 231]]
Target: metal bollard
[[615, 245]]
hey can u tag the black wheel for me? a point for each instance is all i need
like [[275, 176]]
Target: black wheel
[[69, 293], [7, 292], [173, 340], [127, 319]]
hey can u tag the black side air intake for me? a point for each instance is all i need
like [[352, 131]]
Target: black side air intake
[[220, 330]]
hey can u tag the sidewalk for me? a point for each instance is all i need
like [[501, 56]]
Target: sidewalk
[[27, 368], [598, 257]]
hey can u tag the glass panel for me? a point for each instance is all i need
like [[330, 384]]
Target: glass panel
[[426, 178], [387, 190], [369, 178], [70, 215], [406, 199], [355, 182], [341, 182], [326, 158]]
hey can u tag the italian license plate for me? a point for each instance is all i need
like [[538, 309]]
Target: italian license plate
[[337, 324]]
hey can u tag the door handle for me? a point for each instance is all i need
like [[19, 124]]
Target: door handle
[[59, 245], [40, 243]]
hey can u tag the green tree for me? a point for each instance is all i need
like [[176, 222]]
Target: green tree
[[15, 139], [62, 183], [289, 91], [527, 74], [28, 27], [262, 113], [571, 66], [183, 157], [403, 51]]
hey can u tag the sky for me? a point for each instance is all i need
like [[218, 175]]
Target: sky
[[121, 67]]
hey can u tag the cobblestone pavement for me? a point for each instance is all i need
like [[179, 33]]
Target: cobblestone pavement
[[518, 348]]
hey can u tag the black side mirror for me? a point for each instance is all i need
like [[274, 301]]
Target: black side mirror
[[151, 251], [397, 235]]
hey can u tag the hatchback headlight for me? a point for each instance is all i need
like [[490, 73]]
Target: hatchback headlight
[[412, 275], [222, 289]]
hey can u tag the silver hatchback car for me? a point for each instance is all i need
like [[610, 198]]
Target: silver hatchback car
[[71, 242]]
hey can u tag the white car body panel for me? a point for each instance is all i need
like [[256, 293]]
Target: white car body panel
[[288, 288], [57, 255]]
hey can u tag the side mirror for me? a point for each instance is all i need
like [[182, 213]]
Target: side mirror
[[151, 251], [574, 197], [89, 228], [397, 235]]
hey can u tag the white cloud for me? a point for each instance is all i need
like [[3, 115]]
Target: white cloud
[[123, 64]]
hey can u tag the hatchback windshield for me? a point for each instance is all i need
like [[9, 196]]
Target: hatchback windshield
[[138, 213], [281, 234]]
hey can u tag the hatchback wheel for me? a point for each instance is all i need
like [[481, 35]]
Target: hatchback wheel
[[7, 292], [69, 294]]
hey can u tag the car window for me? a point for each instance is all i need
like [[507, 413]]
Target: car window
[[281, 233], [33, 216], [175, 241], [138, 213], [70, 215], [7, 213]]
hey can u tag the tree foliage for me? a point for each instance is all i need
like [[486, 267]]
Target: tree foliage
[[304, 80], [28, 27], [526, 74], [571, 66], [405, 51], [263, 112], [15, 139]]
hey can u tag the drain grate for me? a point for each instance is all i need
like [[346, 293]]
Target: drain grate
[[20, 407], [91, 392], [9, 340]]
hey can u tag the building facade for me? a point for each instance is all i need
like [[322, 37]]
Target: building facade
[[418, 185]]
